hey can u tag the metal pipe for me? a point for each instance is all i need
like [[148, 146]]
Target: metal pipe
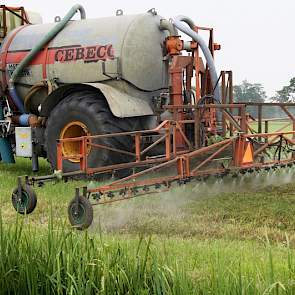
[[179, 24], [168, 26], [35, 160], [35, 50]]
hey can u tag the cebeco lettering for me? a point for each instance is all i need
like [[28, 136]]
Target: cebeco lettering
[[87, 54]]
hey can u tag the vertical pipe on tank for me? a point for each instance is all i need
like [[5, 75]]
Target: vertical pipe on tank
[[35, 50], [178, 22]]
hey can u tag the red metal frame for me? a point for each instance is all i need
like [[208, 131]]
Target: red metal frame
[[167, 130], [24, 21], [188, 163], [15, 11]]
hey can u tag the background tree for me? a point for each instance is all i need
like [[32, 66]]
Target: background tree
[[248, 92], [287, 93]]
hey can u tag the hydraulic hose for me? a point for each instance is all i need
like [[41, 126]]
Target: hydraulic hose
[[35, 50], [168, 26], [179, 24]]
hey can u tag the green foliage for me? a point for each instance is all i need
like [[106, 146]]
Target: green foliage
[[248, 92], [287, 93]]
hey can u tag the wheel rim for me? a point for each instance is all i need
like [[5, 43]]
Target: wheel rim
[[70, 148], [78, 214], [23, 202]]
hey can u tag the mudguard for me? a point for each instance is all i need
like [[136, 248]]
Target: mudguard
[[121, 104]]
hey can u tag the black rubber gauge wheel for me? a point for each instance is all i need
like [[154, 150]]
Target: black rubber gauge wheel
[[80, 213], [26, 203]]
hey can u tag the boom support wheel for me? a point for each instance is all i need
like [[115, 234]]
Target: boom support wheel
[[80, 212], [24, 199]]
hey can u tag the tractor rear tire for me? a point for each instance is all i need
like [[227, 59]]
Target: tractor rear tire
[[87, 113]]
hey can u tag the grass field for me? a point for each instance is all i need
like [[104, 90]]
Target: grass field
[[229, 236], [274, 126], [225, 237]]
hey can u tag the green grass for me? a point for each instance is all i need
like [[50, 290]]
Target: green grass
[[57, 260], [224, 237], [273, 126]]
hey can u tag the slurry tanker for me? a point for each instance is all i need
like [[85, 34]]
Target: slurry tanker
[[126, 96]]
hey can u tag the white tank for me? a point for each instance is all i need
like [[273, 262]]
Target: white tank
[[111, 49]]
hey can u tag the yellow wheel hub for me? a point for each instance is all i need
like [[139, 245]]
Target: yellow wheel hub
[[72, 130]]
